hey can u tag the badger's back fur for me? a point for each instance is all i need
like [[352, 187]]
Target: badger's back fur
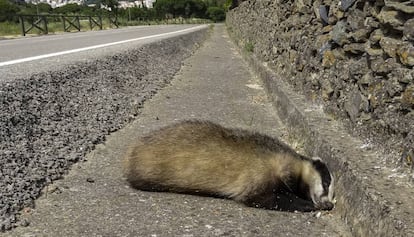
[[201, 157]]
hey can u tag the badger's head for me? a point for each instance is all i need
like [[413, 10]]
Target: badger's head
[[317, 184]]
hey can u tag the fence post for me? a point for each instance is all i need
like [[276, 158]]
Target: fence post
[[44, 19], [21, 19], [64, 23], [78, 21], [100, 22]]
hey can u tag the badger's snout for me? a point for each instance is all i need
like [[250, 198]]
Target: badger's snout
[[325, 206]]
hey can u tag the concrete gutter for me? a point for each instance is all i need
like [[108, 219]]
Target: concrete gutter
[[372, 199]]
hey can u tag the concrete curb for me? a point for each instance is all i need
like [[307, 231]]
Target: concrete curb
[[366, 199]]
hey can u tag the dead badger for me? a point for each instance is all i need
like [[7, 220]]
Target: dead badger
[[200, 157]]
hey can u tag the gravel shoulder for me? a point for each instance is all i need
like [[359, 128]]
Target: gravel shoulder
[[93, 199]]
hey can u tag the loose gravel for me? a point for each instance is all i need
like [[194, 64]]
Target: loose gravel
[[50, 120]]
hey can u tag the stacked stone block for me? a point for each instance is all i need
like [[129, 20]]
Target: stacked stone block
[[355, 57]]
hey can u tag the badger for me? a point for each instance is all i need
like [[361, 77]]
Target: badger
[[204, 158]]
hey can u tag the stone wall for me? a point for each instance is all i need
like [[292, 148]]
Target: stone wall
[[354, 57]]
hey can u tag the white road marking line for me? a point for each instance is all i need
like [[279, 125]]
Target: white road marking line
[[22, 60]]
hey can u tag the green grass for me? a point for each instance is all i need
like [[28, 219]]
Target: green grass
[[9, 28], [249, 47]]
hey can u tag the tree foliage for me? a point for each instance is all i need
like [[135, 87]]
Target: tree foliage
[[44, 8], [7, 10], [180, 8], [213, 9], [136, 13], [112, 4], [216, 14], [71, 8]]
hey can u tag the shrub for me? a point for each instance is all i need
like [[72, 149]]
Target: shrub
[[216, 13]]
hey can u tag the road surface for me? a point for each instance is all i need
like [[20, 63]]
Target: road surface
[[24, 56]]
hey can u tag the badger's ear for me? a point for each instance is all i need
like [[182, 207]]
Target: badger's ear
[[316, 158], [320, 165]]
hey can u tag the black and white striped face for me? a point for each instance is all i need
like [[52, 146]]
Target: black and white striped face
[[321, 185]]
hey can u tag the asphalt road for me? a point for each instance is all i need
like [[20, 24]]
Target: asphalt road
[[25, 56], [94, 199], [22, 48]]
